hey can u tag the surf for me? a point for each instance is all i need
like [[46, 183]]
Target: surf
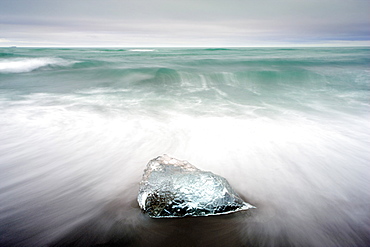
[[22, 65]]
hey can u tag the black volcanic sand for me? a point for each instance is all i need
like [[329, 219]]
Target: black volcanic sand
[[124, 224]]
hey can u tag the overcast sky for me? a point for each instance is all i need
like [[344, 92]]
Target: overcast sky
[[149, 23]]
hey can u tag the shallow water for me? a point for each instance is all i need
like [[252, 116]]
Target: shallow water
[[288, 128]]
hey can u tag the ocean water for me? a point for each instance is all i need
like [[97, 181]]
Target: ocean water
[[288, 128]]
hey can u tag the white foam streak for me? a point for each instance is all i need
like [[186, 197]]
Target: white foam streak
[[141, 50], [307, 173], [20, 65]]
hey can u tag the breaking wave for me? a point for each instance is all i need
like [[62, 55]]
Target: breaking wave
[[142, 50], [21, 65]]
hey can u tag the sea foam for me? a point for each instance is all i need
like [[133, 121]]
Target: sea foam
[[142, 50], [20, 65]]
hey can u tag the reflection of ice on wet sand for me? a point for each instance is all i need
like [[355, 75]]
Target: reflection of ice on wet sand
[[123, 224]]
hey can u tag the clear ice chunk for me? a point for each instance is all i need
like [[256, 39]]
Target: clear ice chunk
[[172, 188]]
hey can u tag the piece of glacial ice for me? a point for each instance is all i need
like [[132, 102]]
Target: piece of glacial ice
[[172, 188]]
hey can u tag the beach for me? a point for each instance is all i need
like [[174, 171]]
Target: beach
[[287, 127]]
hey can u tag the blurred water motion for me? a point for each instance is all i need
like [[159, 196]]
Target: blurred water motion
[[290, 135]]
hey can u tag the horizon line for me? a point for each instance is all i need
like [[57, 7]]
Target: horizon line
[[201, 46]]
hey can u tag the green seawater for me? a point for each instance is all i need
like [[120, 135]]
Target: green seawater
[[288, 128], [198, 80]]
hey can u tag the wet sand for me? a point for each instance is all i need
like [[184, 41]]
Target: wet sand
[[124, 224]]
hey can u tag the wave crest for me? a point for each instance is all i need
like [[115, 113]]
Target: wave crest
[[21, 65], [141, 50]]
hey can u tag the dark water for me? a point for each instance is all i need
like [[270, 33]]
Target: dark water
[[288, 128]]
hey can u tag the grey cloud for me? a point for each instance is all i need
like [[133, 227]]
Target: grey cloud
[[231, 21]]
